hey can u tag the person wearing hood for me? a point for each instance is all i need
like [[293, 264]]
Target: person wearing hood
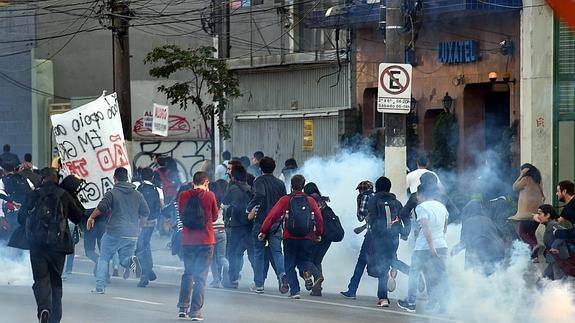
[[128, 209], [288, 171], [47, 255], [236, 200], [386, 226], [482, 234]]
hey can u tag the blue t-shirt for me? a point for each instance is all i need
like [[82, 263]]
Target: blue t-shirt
[[436, 214]]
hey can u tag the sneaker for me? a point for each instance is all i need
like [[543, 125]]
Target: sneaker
[[97, 291], [135, 266], [295, 296], [256, 289], [315, 292], [391, 283], [284, 286], [308, 280], [233, 285], [404, 304], [152, 276], [115, 273], [183, 316], [143, 283], [383, 303], [196, 317], [317, 283], [215, 284], [44, 316], [347, 294]]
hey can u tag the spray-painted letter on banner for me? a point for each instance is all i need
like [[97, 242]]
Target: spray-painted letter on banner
[[91, 145]]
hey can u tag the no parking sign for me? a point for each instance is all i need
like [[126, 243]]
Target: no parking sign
[[394, 88]]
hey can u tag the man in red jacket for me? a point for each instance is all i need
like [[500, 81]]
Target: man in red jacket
[[297, 246], [197, 250]]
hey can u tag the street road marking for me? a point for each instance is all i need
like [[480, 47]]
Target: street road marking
[[137, 301], [343, 305]]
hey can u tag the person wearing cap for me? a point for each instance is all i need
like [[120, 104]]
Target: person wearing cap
[[365, 189]]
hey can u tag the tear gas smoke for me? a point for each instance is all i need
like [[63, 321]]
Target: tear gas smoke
[[508, 295], [15, 267], [337, 177]]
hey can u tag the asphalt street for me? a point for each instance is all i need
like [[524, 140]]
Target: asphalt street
[[124, 302]]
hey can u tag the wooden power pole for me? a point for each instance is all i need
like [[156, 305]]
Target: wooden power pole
[[121, 52], [394, 124]]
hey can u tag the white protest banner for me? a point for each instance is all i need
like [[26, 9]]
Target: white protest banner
[[91, 145], [160, 118]]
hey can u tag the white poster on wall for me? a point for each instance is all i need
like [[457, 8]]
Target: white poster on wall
[[160, 118], [91, 145]]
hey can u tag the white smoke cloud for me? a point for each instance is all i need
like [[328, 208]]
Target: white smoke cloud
[[337, 177], [509, 295], [15, 267]]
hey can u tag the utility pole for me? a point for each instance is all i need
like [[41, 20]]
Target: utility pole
[[394, 124], [222, 31], [121, 52]]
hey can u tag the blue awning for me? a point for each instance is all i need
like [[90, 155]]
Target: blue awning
[[360, 12]]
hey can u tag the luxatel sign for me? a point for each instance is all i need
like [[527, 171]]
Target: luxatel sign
[[457, 52], [394, 88]]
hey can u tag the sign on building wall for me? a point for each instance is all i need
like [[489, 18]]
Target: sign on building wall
[[308, 135], [457, 52], [183, 124], [91, 145], [160, 120], [394, 88]]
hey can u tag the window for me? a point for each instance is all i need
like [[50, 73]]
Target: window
[[236, 4]]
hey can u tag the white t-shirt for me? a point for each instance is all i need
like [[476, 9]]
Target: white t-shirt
[[412, 180], [436, 214]]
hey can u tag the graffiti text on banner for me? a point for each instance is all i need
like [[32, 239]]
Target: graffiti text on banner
[[91, 145]]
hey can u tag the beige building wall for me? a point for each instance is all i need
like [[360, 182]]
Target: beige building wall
[[536, 94]]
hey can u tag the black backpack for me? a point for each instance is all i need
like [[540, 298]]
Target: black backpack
[[152, 197], [235, 213], [46, 223], [193, 215], [299, 220], [16, 187], [387, 218], [332, 229]]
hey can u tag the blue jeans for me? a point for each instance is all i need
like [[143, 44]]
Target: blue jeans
[[220, 265], [298, 253], [240, 241], [197, 260], [359, 266], [110, 246], [275, 245], [70, 257], [433, 269], [144, 252]]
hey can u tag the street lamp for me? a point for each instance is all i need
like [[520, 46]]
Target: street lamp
[[447, 102]]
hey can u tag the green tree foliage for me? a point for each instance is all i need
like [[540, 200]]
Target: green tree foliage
[[445, 141], [211, 85]]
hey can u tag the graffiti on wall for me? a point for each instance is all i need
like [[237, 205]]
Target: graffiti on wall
[[178, 126], [188, 154]]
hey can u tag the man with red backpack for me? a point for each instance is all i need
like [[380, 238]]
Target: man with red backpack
[[198, 210], [302, 225]]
